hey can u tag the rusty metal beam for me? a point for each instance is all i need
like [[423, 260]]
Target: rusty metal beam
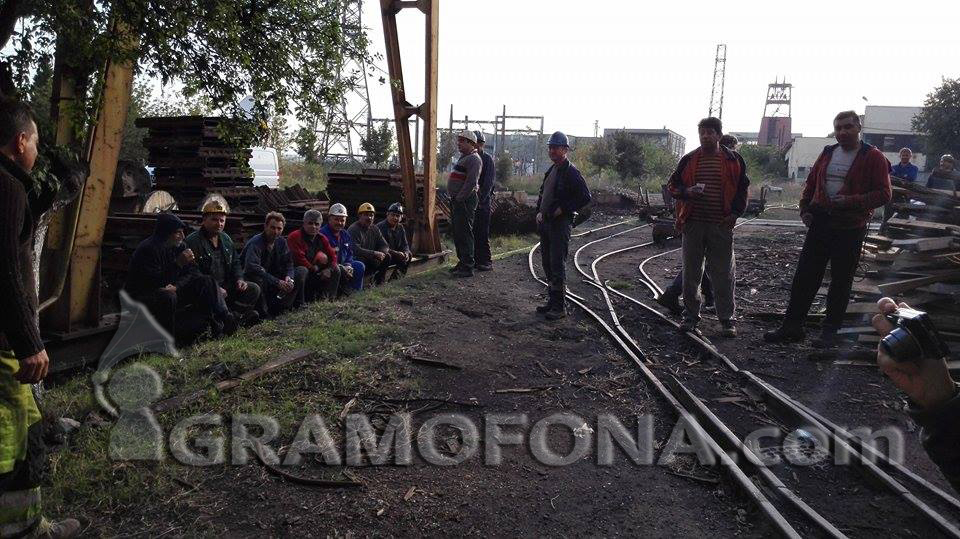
[[422, 208]]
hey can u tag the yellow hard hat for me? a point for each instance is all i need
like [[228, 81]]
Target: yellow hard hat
[[366, 206], [214, 206]]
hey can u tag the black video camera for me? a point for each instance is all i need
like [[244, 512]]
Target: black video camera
[[913, 338]]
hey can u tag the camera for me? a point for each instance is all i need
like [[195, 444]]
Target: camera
[[913, 338]]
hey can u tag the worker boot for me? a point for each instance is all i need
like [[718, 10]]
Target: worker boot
[[543, 309], [558, 310], [671, 300], [62, 529]]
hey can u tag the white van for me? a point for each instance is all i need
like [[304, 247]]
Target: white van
[[266, 167]]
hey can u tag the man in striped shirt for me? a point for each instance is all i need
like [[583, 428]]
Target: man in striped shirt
[[710, 186]]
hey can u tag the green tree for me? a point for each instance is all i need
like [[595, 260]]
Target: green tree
[[504, 167], [288, 54], [629, 162], [601, 155], [764, 162], [378, 145], [448, 148], [939, 120]]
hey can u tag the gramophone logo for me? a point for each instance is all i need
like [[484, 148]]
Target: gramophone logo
[[127, 393]]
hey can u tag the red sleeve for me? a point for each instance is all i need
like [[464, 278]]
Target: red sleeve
[[878, 191], [298, 248], [331, 254]]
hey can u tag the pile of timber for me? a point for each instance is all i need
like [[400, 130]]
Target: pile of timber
[[378, 187], [191, 156], [914, 258]]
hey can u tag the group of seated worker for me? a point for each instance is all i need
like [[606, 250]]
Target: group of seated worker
[[197, 283]]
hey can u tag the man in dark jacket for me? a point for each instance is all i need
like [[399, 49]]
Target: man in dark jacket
[[217, 257], [934, 399], [268, 262], [483, 259], [315, 259], [164, 277], [562, 193], [462, 185], [710, 187], [23, 357], [396, 235], [847, 182], [369, 246]]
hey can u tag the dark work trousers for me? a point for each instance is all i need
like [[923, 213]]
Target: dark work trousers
[[462, 223], [481, 236], [554, 245], [316, 286], [676, 287], [185, 313], [839, 247], [272, 300]]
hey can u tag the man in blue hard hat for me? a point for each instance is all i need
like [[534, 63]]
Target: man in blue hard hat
[[483, 260], [562, 193]]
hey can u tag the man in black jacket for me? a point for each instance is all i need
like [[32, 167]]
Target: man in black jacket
[[562, 193], [23, 357], [934, 399], [483, 260], [164, 276]]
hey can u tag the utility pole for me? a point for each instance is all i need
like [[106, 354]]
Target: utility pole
[[596, 128], [719, 78]]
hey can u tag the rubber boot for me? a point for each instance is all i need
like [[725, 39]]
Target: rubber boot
[[558, 310], [543, 309]]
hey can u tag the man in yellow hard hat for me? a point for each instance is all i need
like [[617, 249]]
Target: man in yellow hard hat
[[216, 256], [369, 245]]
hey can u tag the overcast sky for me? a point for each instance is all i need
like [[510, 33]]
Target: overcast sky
[[650, 64]]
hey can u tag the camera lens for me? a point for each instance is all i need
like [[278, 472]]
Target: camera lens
[[901, 345]]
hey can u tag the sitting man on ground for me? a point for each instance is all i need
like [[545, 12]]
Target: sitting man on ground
[[315, 258], [396, 235], [164, 277], [216, 256], [369, 245], [267, 261], [351, 270]]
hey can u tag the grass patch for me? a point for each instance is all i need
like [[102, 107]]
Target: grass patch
[[621, 284], [353, 345]]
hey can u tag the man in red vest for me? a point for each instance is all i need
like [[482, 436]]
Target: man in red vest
[[710, 187]]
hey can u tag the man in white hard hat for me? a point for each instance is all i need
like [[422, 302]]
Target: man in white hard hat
[[462, 186], [369, 246], [351, 269]]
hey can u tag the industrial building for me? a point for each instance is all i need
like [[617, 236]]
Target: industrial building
[[891, 128], [672, 141]]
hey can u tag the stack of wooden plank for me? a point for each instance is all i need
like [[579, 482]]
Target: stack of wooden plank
[[914, 258], [190, 156]]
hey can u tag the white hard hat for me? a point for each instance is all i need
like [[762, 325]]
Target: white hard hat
[[338, 210], [469, 135]]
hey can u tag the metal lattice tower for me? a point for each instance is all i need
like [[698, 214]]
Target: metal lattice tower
[[719, 79], [351, 117]]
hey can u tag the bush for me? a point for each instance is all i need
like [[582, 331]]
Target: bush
[[310, 176]]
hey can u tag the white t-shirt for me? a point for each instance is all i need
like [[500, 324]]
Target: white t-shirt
[[837, 170]]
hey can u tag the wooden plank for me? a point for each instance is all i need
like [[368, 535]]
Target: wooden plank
[[899, 287], [928, 226]]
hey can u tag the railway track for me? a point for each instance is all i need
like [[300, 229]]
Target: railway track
[[799, 483]]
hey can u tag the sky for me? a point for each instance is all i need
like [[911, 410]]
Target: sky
[[650, 64]]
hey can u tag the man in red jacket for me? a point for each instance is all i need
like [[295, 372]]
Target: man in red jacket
[[710, 187], [313, 256], [849, 180]]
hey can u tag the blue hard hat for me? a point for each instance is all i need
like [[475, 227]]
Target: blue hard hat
[[558, 139]]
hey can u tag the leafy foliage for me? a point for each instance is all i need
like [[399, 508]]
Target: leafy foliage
[[378, 144], [763, 162], [448, 148], [629, 160], [940, 120], [504, 167], [601, 155]]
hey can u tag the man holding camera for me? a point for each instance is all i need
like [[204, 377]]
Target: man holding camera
[[934, 395], [848, 181]]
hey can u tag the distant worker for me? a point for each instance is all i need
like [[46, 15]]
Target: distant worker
[[216, 256], [368, 243], [396, 235], [462, 186], [351, 269], [23, 357], [710, 186], [905, 169], [944, 176], [672, 294], [847, 182], [315, 259], [562, 193], [483, 259], [268, 262]]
